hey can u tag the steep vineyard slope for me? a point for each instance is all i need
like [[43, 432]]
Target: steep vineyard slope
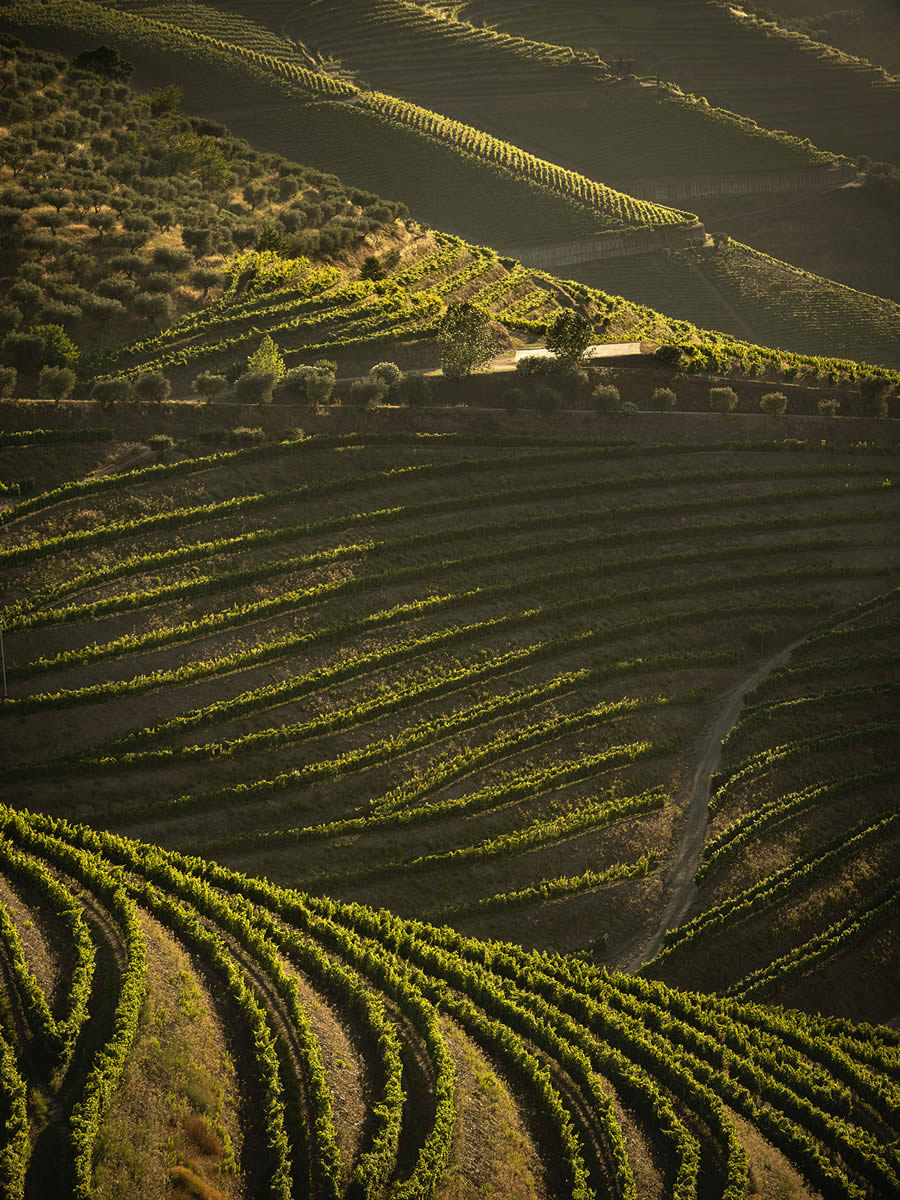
[[870, 28], [737, 289], [570, 104], [798, 881], [622, 1088], [158, 252], [721, 51], [421, 671]]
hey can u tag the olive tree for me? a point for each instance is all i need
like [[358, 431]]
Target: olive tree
[[56, 383], [465, 338], [568, 337]]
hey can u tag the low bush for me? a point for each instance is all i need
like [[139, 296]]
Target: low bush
[[663, 399], [546, 399], [723, 399], [8, 378], [774, 404], [245, 434], [255, 387], [605, 398], [415, 390]]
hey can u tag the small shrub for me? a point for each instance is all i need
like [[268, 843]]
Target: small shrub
[[388, 373], [723, 399], [244, 435], [8, 379], [183, 1179], [629, 408], [161, 444], [415, 390], [672, 356], [605, 398], [830, 407], [204, 1138], [367, 392], [774, 404], [536, 364], [663, 399], [546, 399]]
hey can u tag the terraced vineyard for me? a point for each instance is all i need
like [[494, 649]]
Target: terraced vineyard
[[715, 49], [870, 29], [495, 190], [752, 295], [301, 643], [423, 1035], [798, 878], [426, 672]]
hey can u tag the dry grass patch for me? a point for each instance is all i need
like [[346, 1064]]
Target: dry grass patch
[[174, 1123]]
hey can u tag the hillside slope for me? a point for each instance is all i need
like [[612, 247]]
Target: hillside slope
[[382, 1055], [428, 648], [721, 51], [108, 220]]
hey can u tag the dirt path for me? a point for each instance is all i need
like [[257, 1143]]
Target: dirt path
[[687, 857]]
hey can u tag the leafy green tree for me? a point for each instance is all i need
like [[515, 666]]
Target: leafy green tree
[[255, 387], [389, 374], [270, 238], [103, 309], [58, 348], [56, 383], [605, 398], [415, 390], [166, 258], [465, 338], [267, 358], [109, 392], [165, 101], [372, 268], [10, 318], [367, 392], [157, 307], [314, 383], [198, 241], [568, 336], [152, 387], [205, 278], [209, 385]]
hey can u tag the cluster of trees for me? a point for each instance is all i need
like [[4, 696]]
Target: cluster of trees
[[116, 210]]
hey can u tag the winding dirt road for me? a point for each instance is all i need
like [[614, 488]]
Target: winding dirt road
[[696, 801]]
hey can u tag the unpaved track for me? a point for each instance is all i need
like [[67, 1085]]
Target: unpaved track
[[687, 858]]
